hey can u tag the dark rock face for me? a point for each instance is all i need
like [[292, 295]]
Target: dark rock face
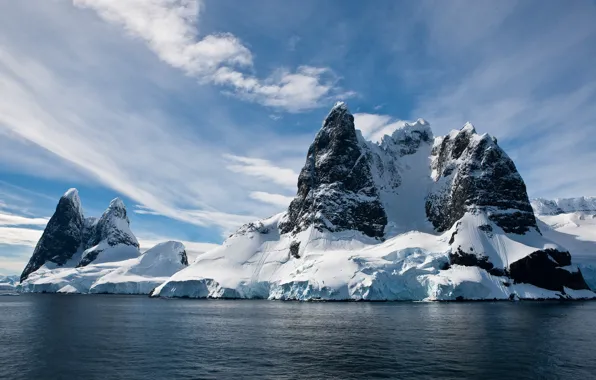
[[252, 227], [62, 236], [183, 258], [89, 258], [336, 190], [68, 232], [107, 227], [543, 269], [460, 257], [473, 173], [89, 231], [295, 249]]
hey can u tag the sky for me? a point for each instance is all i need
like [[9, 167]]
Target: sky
[[198, 114]]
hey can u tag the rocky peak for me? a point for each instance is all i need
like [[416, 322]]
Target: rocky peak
[[72, 196], [472, 174], [336, 190], [117, 208], [407, 139], [62, 236], [70, 238], [112, 229]]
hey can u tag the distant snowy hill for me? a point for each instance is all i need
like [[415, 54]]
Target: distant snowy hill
[[413, 217], [99, 255], [8, 284], [571, 222], [564, 205]]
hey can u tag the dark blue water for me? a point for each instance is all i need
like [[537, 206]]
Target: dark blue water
[[120, 337]]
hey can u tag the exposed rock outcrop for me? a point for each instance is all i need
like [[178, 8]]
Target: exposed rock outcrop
[[545, 269], [61, 238], [473, 174], [70, 237], [112, 229], [336, 190]]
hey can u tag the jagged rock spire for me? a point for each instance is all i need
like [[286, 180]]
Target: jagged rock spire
[[335, 187], [113, 228], [62, 236], [473, 173]]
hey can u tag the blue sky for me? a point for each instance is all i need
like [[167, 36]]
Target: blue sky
[[198, 114]]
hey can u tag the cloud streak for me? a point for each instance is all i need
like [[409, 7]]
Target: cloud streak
[[375, 126], [169, 28], [262, 169], [275, 199]]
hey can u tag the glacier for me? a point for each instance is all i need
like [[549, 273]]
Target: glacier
[[351, 266]]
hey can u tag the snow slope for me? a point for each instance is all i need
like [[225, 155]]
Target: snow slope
[[133, 276], [256, 263], [143, 274]]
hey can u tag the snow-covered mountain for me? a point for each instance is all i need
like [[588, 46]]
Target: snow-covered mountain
[[71, 238], [101, 255], [410, 218]]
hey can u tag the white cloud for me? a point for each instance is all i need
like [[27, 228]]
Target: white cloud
[[274, 199], [12, 266], [169, 28], [19, 236], [135, 154], [263, 169], [375, 126], [7, 219]]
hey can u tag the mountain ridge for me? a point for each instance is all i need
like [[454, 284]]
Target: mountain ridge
[[476, 233]]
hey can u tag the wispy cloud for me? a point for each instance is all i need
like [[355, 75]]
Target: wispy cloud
[[375, 126], [263, 169], [169, 27], [132, 152], [274, 199], [20, 236], [7, 219]]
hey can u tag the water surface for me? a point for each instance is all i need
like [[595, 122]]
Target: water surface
[[132, 337]]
